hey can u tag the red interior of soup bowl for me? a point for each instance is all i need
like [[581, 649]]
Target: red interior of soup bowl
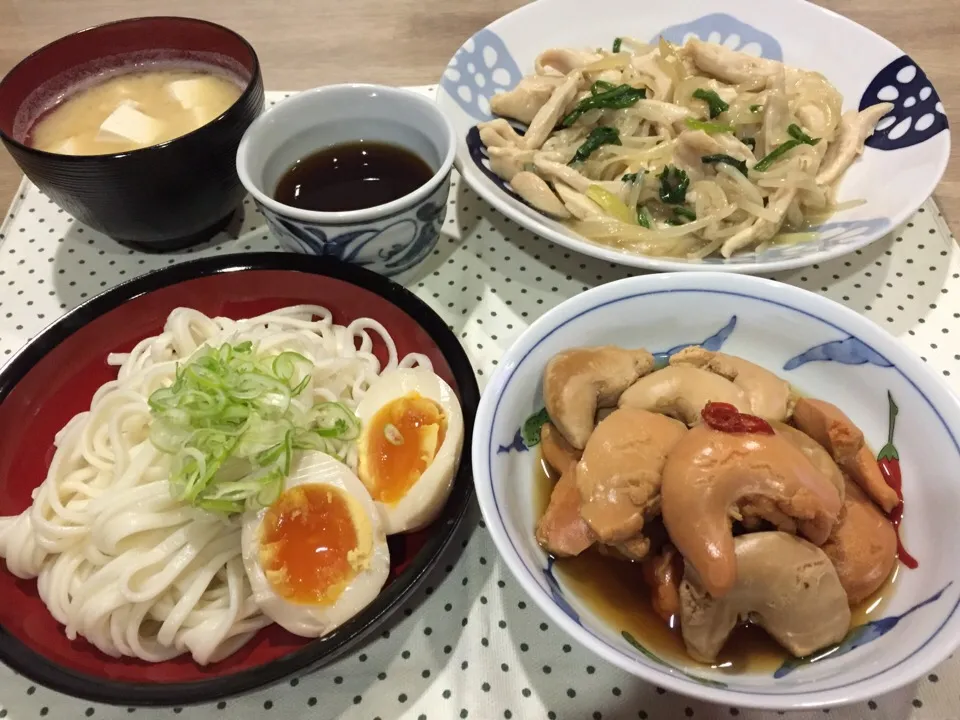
[[40, 79], [62, 382]]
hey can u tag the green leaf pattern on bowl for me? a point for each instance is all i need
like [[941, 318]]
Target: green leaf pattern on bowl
[[660, 661]]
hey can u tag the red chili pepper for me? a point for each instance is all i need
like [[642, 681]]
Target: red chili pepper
[[720, 416], [754, 424], [888, 460], [726, 418]]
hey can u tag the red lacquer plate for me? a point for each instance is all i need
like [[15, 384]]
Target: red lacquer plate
[[55, 377]]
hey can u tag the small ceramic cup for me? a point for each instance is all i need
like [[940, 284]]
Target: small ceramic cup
[[390, 239]]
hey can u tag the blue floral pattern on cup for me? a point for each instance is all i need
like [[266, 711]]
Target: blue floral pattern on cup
[[917, 113], [725, 30], [389, 246], [481, 67]]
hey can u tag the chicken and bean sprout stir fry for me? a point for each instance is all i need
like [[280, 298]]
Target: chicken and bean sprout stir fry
[[675, 151]]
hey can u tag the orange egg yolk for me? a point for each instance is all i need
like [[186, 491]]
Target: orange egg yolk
[[401, 442], [306, 540]]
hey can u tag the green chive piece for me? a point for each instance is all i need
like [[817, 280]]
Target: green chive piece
[[620, 97], [598, 137], [673, 185], [643, 217], [740, 165], [713, 101]]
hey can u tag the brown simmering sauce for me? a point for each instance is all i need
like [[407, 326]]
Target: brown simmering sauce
[[615, 591]]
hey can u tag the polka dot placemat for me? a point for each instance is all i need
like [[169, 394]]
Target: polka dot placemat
[[470, 644]]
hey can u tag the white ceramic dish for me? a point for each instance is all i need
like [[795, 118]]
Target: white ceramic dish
[[390, 239], [830, 352], [900, 168]]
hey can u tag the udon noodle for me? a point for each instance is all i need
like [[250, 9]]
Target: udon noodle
[[676, 151], [122, 563]]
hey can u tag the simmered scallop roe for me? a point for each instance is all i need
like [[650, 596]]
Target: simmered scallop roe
[[616, 591], [733, 515], [308, 538]]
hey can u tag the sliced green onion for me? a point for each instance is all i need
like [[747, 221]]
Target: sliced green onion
[[616, 44], [336, 420], [285, 364], [231, 425]]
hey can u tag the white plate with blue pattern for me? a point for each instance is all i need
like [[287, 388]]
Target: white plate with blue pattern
[[899, 169], [825, 349]]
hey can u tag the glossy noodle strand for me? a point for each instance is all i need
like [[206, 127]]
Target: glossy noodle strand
[[120, 561], [674, 151]]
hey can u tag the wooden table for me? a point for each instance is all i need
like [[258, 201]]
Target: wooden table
[[304, 43]]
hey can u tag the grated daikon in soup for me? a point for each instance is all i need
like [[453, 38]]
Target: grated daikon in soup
[[134, 110]]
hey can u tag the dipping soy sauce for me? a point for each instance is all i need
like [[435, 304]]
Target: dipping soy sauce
[[352, 176]]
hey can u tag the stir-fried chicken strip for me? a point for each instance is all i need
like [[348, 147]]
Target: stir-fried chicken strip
[[671, 151]]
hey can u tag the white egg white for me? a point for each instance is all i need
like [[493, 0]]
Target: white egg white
[[316, 620], [426, 497]]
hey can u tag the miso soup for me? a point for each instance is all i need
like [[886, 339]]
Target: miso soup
[[134, 110]]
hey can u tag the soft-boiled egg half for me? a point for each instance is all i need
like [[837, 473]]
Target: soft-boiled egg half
[[409, 446], [318, 555]]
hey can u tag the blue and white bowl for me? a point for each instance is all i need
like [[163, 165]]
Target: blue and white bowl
[[899, 169], [826, 350], [391, 239]]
